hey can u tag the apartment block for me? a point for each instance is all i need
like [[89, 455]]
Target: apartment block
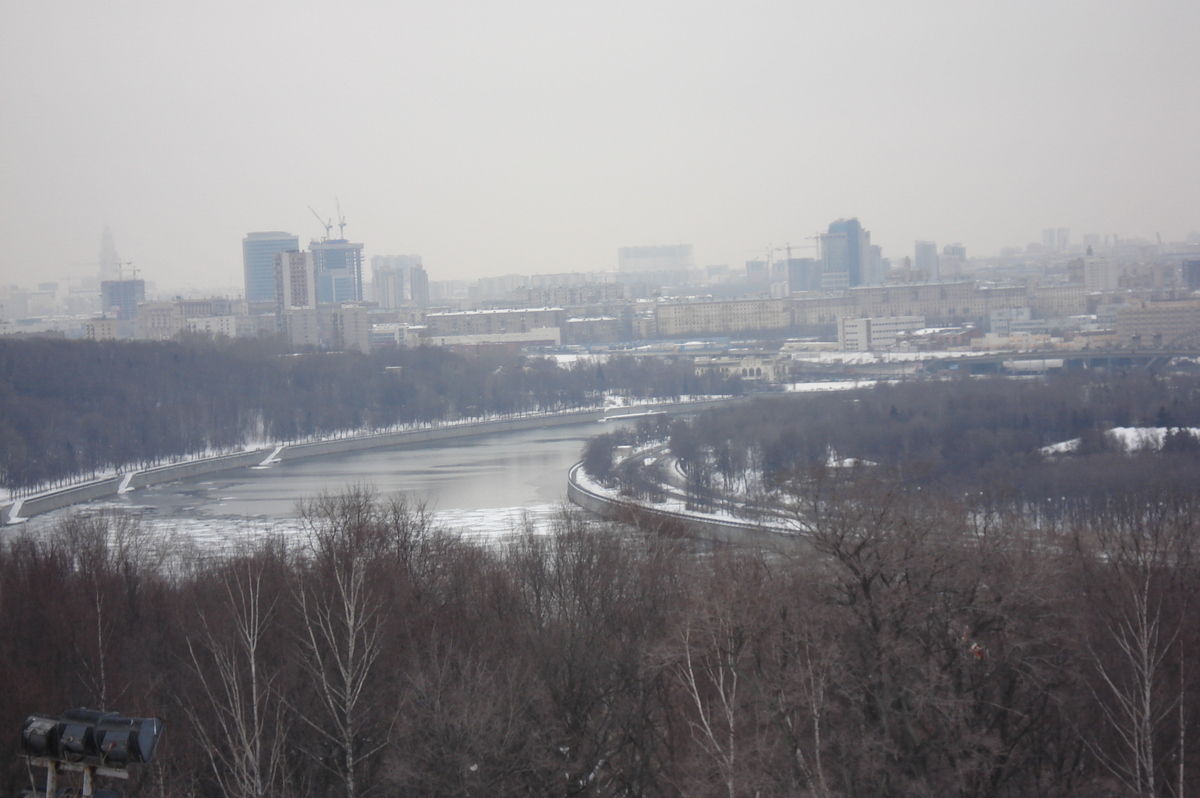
[[718, 318]]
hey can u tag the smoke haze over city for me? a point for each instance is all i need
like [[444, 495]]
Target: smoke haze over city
[[537, 137]]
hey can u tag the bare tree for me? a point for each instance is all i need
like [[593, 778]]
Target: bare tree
[[717, 662], [115, 556], [343, 609], [468, 727], [710, 678], [242, 726], [1143, 553]]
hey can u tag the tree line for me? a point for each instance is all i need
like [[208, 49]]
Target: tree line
[[955, 436], [77, 408], [908, 646]]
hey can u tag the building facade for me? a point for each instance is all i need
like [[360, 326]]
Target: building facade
[[845, 249], [120, 298], [1149, 323], [865, 335], [419, 286], [654, 259], [392, 279], [258, 262], [1058, 301], [718, 318], [338, 265], [295, 280], [490, 322], [926, 260]]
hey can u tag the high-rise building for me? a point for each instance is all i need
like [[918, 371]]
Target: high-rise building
[[642, 260], [757, 273], [391, 276], [110, 263], [926, 260], [1062, 239], [1191, 273], [121, 297], [877, 266], [338, 265], [420, 286], [388, 282], [804, 274], [258, 262], [1101, 274], [1056, 239], [295, 280], [952, 261], [845, 249], [351, 328]]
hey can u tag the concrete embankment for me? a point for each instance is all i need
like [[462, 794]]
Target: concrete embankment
[[672, 408], [416, 437], [702, 526], [16, 511], [22, 509]]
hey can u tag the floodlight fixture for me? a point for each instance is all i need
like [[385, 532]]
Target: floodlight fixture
[[93, 741]]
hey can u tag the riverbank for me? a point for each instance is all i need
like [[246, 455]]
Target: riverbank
[[584, 492], [16, 511]]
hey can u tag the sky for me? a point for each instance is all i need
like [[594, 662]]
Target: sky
[[539, 137]]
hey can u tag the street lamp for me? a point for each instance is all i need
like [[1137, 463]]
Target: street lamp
[[90, 741]]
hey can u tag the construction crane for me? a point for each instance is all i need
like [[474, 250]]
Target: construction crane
[[328, 225], [815, 246], [120, 276], [341, 220]]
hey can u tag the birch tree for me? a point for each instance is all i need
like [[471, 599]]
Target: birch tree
[[238, 714], [343, 610], [1142, 552]]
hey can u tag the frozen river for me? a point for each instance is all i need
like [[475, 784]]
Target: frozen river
[[486, 485]]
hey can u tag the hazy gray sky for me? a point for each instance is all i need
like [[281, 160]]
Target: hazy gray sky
[[524, 136]]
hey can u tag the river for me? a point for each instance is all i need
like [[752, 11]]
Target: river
[[483, 486]]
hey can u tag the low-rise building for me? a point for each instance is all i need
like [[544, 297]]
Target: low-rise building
[[1058, 301], [160, 321], [341, 328], [541, 336], [492, 322], [756, 367], [950, 302], [1159, 323], [1011, 321], [103, 329], [869, 334], [395, 334], [676, 319], [214, 325], [350, 328], [592, 330]]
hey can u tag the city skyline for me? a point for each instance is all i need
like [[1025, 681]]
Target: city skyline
[[537, 140]]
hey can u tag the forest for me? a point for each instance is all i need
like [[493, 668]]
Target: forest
[[907, 647], [987, 437], [964, 614], [76, 408]]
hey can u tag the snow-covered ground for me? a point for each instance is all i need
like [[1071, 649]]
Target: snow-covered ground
[[191, 534], [671, 504], [872, 358], [267, 446], [1128, 438], [839, 385]]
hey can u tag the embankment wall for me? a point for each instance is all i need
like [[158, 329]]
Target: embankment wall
[[13, 512], [704, 527]]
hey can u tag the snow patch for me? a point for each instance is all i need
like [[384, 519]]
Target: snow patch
[[1128, 439]]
